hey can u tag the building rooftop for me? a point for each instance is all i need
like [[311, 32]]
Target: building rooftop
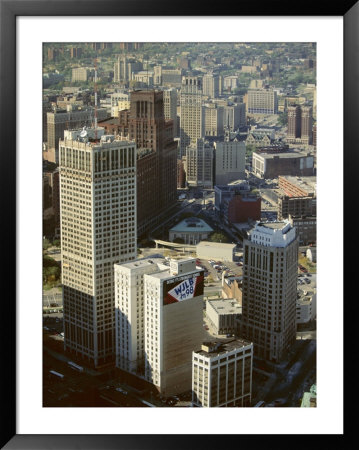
[[291, 154], [143, 262], [219, 347], [215, 245], [226, 306], [192, 224]]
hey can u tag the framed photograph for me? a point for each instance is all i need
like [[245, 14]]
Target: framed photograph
[[33, 33]]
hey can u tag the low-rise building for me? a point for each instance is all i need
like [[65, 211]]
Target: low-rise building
[[215, 250], [309, 399], [223, 314], [222, 374], [306, 308], [191, 230], [306, 229], [268, 163]]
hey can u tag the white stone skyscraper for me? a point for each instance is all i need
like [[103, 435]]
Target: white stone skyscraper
[[98, 229], [192, 112], [129, 312], [270, 271]]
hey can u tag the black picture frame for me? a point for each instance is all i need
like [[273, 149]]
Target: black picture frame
[[9, 10]]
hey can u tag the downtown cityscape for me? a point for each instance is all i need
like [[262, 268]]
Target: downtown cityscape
[[179, 224]]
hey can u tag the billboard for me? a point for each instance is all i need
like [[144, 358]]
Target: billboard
[[183, 288]]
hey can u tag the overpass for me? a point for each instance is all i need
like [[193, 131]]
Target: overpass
[[184, 247]]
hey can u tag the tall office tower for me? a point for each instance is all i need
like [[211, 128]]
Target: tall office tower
[[200, 164], [157, 75], [262, 101], [98, 229], [173, 324], [213, 120], [211, 85], [234, 116], [294, 122], [149, 129], [129, 313], [170, 107], [270, 272], [71, 118], [192, 116], [230, 160], [222, 374], [307, 125]]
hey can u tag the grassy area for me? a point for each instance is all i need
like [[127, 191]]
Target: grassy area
[[311, 267]]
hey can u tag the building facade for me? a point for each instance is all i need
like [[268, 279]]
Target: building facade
[[222, 374], [230, 160], [270, 271], [262, 101], [98, 229], [130, 313], [173, 323], [200, 164], [192, 115]]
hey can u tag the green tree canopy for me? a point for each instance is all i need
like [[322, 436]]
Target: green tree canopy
[[218, 237]]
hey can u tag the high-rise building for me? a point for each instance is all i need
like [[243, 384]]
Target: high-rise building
[[262, 101], [73, 117], [211, 85], [149, 129], [98, 229], [173, 324], [300, 124], [230, 159], [270, 272], [294, 122], [213, 120], [170, 107], [307, 125], [222, 374], [129, 313], [234, 116], [192, 115], [200, 164]]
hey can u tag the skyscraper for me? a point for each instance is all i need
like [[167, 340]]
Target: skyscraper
[[294, 122], [192, 115], [200, 164], [269, 298], [211, 85], [300, 124], [307, 125], [170, 107], [129, 312], [98, 229], [149, 129]]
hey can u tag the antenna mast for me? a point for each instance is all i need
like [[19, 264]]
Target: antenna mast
[[95, 86]]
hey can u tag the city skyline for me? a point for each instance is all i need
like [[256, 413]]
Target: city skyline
[[231, 119]]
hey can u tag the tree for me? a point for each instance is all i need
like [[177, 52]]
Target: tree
[[218, 237]]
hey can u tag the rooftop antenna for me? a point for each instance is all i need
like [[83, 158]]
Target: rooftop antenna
[[95, 87]]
